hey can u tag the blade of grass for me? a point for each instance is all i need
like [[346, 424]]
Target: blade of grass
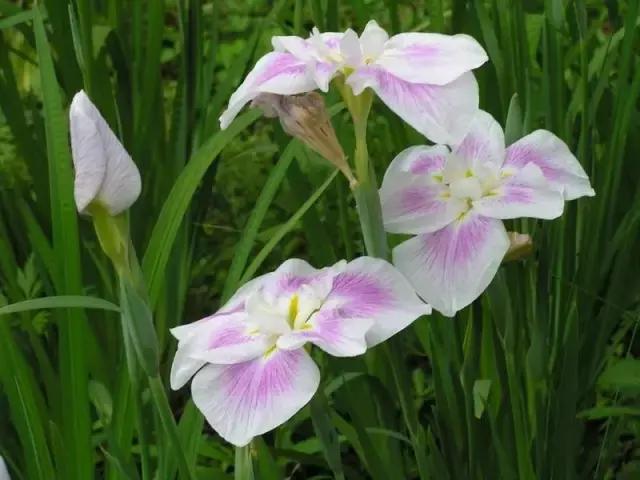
[[72, 324]]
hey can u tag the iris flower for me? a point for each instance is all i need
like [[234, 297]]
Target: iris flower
[[425, 78], [104, 172], [252, 372], [454, 201]]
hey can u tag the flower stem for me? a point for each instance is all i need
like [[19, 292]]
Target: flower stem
[[375, 240]]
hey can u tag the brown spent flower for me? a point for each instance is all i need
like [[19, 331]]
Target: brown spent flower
[[305, 118]]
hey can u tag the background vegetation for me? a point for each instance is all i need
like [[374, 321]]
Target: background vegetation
[[536, 380]]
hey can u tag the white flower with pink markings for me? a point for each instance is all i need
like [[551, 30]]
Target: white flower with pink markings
[[425, 78], [454, 201], [251, 370]]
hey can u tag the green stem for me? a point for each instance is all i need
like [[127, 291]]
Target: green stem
[[161, 402], [243, 464], [375, 240]]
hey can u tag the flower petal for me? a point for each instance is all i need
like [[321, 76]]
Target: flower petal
[[451, 267], [4, 473], [248, 399], [441, 113], [526, 194], [369, 302], [431, 58], [484, 141], [276, 72], [561, 169], [420, 160], [410, 204], [219, 339], [104, 171], [372, 40]]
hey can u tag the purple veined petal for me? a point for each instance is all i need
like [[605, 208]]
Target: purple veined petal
[[421, 160], [220, 339], [441, 113], [431, 58], [234, 305], [292, 274], [332, 332], [104, 171], [322, 73], [372, 41], [248, 399], [559, 166], [413, 204], [450, 268], [276, 72], [525, 194], [369, 302], [483, 143]]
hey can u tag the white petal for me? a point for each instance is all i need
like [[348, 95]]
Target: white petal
[[372, 40], [484, 141], [450, 268], [276, 72], [441, 113], [526, 194], [89, 156], [431, 58], [104, 171], [561, 169], [412, 204], [350, 48], [248, 399], [296, 46], [4, 473]]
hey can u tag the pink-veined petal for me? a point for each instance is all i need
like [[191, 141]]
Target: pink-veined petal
[[525, 194], [412, 204], [420, 160], [484, 141], [104, 171], [369, 302], [450, 268], [247, 399], [441, 113], [559, 166], [220, 339], [431, 58], [276, 72]]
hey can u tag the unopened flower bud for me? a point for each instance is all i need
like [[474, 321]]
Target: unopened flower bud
[[104, 172], [521, 246], [305, 118]]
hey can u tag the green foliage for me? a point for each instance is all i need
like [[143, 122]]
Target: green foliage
[[537, 379]]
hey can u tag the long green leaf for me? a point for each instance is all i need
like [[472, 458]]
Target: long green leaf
[[72, 323], [177, 204], [61, 301]]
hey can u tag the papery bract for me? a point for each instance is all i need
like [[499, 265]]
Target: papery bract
[[453, 200], [425, 78], [252, 372], [104, 171]]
